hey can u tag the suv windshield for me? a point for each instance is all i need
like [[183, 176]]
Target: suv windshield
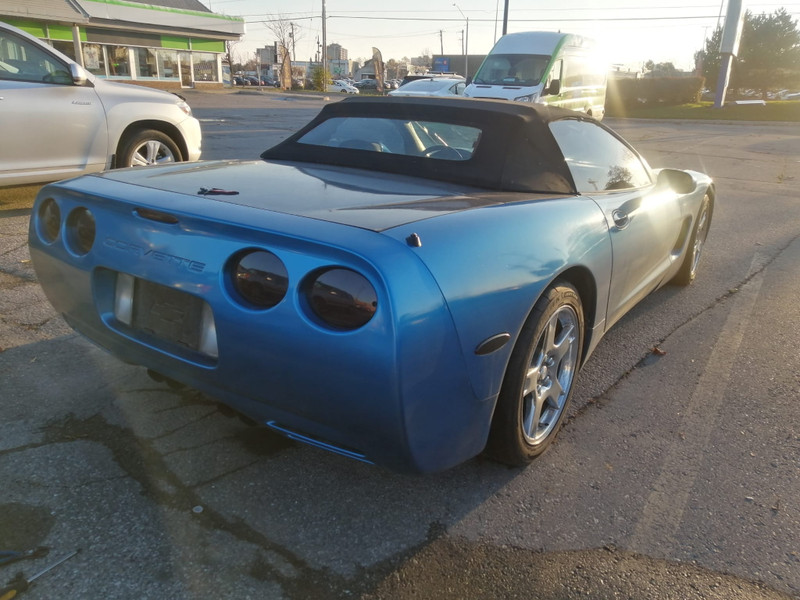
[[512, 69]]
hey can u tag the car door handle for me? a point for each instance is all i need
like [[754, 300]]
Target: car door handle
[[621, 219]]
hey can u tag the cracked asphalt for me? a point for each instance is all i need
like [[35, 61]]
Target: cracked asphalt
[[676, 477]]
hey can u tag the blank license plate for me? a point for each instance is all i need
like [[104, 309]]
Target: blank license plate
[[166, 313]]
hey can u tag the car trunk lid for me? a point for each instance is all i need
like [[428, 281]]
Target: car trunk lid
[[341, 195]]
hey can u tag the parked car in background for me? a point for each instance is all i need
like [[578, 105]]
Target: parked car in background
[[57, 120], [443, 266], [339, 85], [426, 75], [432, 86], [366, 84]]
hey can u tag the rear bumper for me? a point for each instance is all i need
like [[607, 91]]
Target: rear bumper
[[395, 392]]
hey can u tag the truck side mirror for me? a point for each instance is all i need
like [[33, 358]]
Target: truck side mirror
[[553, 89]]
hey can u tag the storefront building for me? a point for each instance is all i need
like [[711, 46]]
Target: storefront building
[[162, 43]]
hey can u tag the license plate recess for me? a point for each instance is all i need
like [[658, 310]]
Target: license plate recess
[[167, 313]]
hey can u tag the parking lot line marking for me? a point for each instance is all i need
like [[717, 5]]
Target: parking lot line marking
[[663, 512]]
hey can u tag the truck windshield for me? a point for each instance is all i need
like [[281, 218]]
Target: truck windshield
[[512, 69]]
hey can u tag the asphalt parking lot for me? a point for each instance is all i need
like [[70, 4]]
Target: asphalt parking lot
[[677, 475]]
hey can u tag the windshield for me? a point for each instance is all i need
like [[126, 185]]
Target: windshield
[[512, 69]]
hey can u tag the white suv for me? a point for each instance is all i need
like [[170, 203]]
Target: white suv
[[58, 121]]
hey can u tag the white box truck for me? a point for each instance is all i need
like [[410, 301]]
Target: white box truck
[[560, 69]]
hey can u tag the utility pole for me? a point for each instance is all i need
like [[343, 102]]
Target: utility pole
[[496, 10], [465, 38], [324, 50], [505, 19], [291, 35], [441, 42]]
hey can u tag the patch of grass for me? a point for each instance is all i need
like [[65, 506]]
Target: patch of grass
[[773, 111]]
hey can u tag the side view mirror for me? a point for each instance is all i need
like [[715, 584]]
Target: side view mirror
[[469, 79], [679, 181], [79, 76], [553, 89]]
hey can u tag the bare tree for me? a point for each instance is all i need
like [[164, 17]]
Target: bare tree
[[286, 35], [230, 46], [233, 54]]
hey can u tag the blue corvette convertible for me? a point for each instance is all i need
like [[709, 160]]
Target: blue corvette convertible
[[420, 281]]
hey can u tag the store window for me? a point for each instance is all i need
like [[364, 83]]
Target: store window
[[168, 64], [118, 61], [67, 48], [205, 67], [94, 59], [145, 61]]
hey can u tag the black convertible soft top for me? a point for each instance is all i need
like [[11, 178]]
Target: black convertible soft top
[[516, 152]]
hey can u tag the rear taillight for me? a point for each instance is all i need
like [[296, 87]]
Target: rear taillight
[[81, 230], [341, 298], [49, 220], [259, 278]]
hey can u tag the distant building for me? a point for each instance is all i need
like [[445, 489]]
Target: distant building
[[270, 58], [268, 55], [367, 71], [158, 43], [336, 52]]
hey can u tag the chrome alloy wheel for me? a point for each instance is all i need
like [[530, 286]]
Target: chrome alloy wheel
[[700, 236], [550, 374], [151, 152]]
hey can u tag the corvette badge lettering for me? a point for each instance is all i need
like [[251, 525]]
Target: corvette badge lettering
[[140, 251]]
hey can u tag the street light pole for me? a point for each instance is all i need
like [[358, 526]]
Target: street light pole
[[466, 42]]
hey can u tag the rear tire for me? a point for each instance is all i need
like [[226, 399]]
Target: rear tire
[[538, 383], [688, 270], [148, 147]]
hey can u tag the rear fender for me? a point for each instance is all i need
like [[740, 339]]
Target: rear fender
[[493, 264]]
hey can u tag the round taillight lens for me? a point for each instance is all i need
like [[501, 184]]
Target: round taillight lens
[[81, 230], [341, 298], [49, 220], [260, 278]]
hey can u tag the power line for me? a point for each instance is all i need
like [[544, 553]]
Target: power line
[[487, 20], [545, 20], [375, 15]]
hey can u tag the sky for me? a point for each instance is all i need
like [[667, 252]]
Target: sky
[[631, 32]]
